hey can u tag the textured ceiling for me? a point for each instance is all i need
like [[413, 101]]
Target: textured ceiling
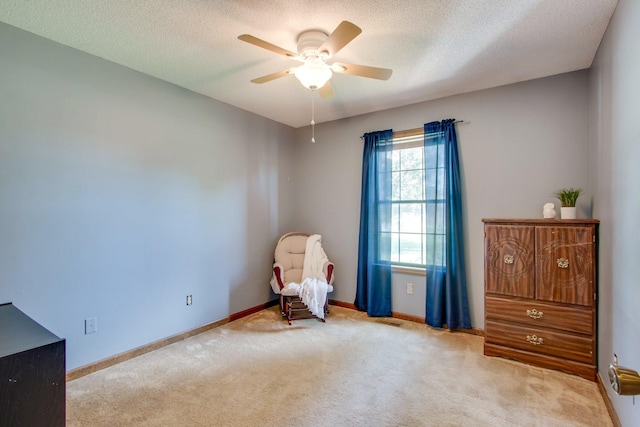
[[436, 48]]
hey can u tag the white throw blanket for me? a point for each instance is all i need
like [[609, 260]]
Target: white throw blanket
[[314, 287], [314, 259]]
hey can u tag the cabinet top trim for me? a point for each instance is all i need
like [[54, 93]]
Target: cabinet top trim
[[541, 221]]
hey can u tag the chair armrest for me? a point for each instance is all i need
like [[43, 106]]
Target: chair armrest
[[327, 269], [278, 274]]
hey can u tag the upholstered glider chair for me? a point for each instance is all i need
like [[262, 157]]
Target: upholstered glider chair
[[301, 279]]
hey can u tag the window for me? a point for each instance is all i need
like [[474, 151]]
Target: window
[[413, 243]]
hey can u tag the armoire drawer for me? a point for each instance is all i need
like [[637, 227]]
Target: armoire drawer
[[540, 315], [542, 341]]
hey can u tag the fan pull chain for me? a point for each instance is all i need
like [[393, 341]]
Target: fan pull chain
[[313, 114]]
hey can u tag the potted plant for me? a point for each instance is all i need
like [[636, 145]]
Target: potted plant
[[568, 198]]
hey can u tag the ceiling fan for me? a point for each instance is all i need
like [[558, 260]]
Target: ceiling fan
[[315, 48]]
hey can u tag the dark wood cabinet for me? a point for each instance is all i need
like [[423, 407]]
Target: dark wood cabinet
[[541, 292], [32, 372]]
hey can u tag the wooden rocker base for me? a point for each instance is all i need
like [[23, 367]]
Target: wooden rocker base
[[292, 308]]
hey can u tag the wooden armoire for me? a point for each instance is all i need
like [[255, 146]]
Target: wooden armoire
[[32, 372], [541, 292]]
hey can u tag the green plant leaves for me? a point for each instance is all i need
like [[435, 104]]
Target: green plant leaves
[[568, 196]]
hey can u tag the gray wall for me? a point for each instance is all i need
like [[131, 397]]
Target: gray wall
[[614, 157], [518, 144], [121, 194]]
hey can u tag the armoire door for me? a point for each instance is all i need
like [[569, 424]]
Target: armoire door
[[509, 260], [565, 270]]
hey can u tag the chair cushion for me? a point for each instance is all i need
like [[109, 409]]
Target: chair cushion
[[290, 254], [294, 292], [293, 275]]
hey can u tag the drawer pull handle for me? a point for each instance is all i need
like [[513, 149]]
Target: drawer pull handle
[[563, 263], [508, 259], [535, 340], [535, 314]]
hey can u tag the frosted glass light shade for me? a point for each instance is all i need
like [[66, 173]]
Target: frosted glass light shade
[[313, 74]]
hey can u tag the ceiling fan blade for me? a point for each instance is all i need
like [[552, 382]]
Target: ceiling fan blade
[[343, 34], [362, 70], [273, 76], [266, 45], [326, 91]]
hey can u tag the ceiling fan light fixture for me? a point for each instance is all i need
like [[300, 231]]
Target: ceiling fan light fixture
[[313, 74]]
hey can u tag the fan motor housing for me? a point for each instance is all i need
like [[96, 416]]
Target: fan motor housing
[[309, 44]]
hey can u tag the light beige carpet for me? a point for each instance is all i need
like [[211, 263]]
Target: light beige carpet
[[351, 371]]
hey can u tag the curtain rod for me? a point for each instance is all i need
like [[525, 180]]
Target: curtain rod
[[410, 132]]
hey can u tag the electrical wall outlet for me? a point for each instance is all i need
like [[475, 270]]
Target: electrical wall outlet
[[90, 325], [410, 288], [189, 299]]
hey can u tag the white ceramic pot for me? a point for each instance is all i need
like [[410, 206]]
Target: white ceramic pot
[[568, 212]]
